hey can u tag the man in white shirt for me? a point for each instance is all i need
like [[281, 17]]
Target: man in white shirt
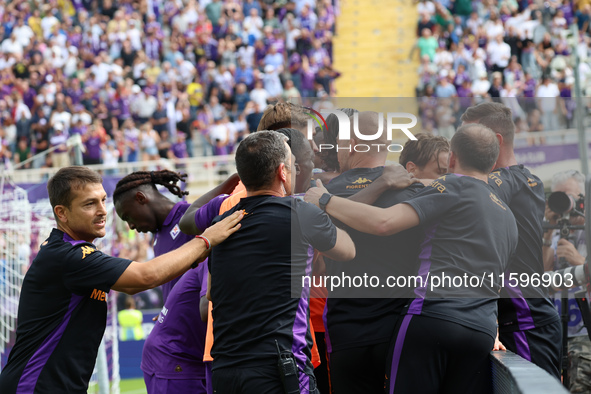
[[426, 6], [101, 68], [474, 22], [259, 95], [144, 106], [61, 116], [481, 86], [499, 53], [253, 24], [12, 45], [23, 33], [547, 102], [272, 82], [246, 55], [48, 22]]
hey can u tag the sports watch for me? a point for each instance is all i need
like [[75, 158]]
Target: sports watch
[[323, 201]]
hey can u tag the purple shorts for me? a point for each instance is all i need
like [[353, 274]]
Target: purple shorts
[[156, 385]]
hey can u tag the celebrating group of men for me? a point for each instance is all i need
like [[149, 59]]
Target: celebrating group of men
[[246, 321]]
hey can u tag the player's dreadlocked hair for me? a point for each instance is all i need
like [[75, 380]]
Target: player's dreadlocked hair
[[166, 178]]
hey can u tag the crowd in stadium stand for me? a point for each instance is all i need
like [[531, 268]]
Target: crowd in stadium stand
[[140, 80], [503, 49]]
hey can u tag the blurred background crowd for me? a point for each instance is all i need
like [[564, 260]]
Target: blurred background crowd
[[517, 51], [140, 80]]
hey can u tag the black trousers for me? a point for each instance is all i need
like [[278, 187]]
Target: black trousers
[[542, 346], [254, 380], [434, 356], [359, 370], [321, 372]]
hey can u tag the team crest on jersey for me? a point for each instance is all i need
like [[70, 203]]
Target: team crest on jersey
[[361, 180], [175, 231], [496, 200]]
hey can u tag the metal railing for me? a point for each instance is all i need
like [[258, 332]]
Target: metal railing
[[204, 173]]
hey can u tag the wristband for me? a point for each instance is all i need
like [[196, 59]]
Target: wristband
[[207, 248], [547, 243], [207, 243]]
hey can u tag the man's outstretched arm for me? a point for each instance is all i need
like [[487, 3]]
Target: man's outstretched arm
[[187, 223], [394, 177], [365, 218], [162, 269]]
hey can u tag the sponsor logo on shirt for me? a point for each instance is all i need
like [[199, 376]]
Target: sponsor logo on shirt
[[162, 314], [175, 231], [496, 200], [531, 182], [86, 250], [438, 185], [360, 183], [98, 295], [494, 176]]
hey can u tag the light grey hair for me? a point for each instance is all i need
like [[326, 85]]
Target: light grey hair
[[561, 177]]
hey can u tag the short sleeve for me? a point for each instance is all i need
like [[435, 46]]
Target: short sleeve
[[441, 196], [503, 184], [316, 227], [88, 268], [205, 215]]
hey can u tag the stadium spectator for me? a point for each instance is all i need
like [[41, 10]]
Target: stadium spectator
[[561, 253], [219, 137], [23, 153], [514, 38], [71, 271], [547, 102], [96, 54], [60, 156], [149, 140], [130, 320], [93, 141]]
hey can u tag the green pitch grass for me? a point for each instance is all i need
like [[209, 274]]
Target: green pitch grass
[[133, 386], [127, 386]]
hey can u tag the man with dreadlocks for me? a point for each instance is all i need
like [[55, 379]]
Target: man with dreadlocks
[[139, 203], [172, 359], [62, 310]]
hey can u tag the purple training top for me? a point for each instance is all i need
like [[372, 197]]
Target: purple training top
[[170, 237], [174, 349]]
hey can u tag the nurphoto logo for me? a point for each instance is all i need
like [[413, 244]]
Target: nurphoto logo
[[344, 129]]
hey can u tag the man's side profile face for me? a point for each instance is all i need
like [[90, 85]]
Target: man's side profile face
[[433, 169], [305, 162], [290, 172], [134, 209], [87, 215]]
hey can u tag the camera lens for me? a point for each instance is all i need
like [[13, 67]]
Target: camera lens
[[561, 202]]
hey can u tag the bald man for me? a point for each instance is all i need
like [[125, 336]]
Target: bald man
[[529, 324], [443, 341]]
